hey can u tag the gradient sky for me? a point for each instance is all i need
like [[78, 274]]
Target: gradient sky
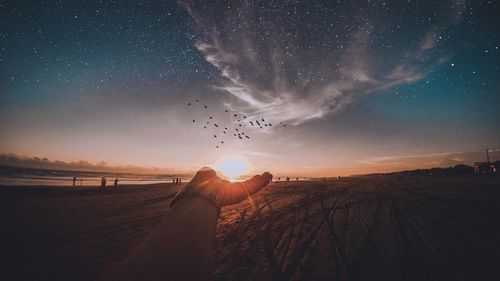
[[363, 86]]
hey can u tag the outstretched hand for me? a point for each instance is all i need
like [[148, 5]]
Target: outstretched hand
[[181, 247], [206, 181]]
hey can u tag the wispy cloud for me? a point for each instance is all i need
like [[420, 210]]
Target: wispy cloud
[[14, 160], [432, 160], [257, 153], [270, 75]]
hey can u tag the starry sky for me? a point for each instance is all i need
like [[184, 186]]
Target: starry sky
[[363, 86]]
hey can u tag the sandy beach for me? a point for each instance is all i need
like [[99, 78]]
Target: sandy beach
[[360, 228], [356, 140]]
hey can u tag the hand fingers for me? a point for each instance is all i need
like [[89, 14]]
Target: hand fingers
[[234, 193], [259, 177], [257, 182]]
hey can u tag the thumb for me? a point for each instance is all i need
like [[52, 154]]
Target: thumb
[[204, 174]]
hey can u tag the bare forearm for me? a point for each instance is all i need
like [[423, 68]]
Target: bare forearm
[[183, 241], [181, 247]]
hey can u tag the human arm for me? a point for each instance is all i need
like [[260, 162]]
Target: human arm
[[181, 246]]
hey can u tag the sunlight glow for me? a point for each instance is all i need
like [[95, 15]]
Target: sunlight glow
[[232, 167]]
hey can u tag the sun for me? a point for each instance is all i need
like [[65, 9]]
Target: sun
[[232, 167]]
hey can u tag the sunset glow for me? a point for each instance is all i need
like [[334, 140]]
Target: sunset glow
[[232, 167], [250, 140], [176, 85]]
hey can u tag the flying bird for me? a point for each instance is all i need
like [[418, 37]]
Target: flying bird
[[225, 130]]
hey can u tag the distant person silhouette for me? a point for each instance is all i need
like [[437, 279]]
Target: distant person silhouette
[[180, 181], [116, 182], [74, 181], [176, 180], [103, 182], [173, 181], [287, 179]]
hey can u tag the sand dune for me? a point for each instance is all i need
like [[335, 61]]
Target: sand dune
[[364, 228]]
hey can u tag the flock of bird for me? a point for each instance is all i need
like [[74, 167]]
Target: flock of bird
[[237, 131]]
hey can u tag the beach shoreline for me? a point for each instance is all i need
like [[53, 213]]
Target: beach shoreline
[[67, 233]]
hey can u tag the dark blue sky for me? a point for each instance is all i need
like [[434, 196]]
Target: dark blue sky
[[354, 80]]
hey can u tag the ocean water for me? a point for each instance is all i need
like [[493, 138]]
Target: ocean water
[[31, 176]]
